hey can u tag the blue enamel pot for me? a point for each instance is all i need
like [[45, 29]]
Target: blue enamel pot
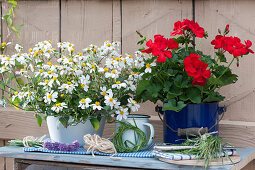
[[194, 119]]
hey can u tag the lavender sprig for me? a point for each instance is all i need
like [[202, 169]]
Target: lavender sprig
[[57, 146]]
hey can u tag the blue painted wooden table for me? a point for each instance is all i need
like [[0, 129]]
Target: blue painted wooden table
[[76, 161]]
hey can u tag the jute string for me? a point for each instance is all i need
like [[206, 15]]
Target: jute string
[[96, 143], [32, 139]]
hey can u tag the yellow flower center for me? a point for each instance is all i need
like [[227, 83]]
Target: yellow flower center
[[71, 50], [108, 44], [40, 70], [62, 95], [121, 112], [3, 44], [30, 50], [36, 52], [49, 72], [49, 51], [49, 96], [80, 54], [41, 51], [74, 68], [29, 94], [8, 58], [82, 85], [69, 83], [49, 41], [118, 82], [54, 78], [94, 50], [130, 56], [117, 59], [83, 64], [148, 65], [134, 101], [70, 60], [58, 104], [82, 100], [125, 60], [47, 81], [114, 71], [111, 99], [60, 43], [104, 93], [49, 63], [16, 93], [93, 66], [22, 70], [97, 103], [106, 69], [70, 45]]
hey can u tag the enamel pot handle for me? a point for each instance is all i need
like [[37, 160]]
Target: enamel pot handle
[[152, 132]]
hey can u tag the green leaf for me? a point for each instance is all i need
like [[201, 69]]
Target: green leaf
[[95, 123], [172, 105], [14, 3], [20, 27], [213, 97], [221, 57], [9, 79], [154, 89], [181, 81], [20, 81], [14, 29], [39, 119], [124, 100], [64, 120], [142, 86], [9, 21], [194, 94], [6, 16], [3, 85]]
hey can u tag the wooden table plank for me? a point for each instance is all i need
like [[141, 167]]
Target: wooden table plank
[[247, 155]]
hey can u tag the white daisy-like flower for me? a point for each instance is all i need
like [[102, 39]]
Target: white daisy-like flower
[[110, 101], [69, 87], [96, 106], [148, 67], [59, 107], [130, 85], [18, 48], [132, 104], [104, 91], [16, 94], [112, 74], [119, 85], [84, 103], [8, 61], [50, 97], [121, 113], [21, 72], [47, 84]]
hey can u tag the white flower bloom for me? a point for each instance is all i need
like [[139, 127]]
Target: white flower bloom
[[18, 48], [50, 97], [132, 104], [118, 85], [97, 106], [69, 87], [59, 107], [8, 61], [148, 67], [130, 85], [84, 79], [84, 103], [112, 74], [21, 72], [110, 101], [122, 113]]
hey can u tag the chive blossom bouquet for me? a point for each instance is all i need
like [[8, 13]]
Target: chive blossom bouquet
[[177, 73], [75, 87]]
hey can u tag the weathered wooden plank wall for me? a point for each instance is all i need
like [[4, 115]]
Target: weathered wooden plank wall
[[85, 22]]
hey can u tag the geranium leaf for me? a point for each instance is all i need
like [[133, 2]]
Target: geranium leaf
[[95, 123], [194, 94], [172, 105]]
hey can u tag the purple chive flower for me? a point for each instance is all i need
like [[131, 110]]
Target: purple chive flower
[[62, 147], [76, 145], [70, 148], [47, 145], [55, 146]]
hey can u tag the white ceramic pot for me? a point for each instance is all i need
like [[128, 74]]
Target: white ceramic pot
[[142, 122], [58, 133]]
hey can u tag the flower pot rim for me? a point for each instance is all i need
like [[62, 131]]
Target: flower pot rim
[[138, 116]]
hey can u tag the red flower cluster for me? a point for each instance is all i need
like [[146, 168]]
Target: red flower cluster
[[196, 69], [160, 47], [188, 25], [232, 44]]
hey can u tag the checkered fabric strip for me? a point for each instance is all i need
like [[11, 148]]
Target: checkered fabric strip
[[176, 156], [141, 154]]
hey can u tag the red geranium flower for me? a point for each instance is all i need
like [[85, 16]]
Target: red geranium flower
[[196, 69], [159, 47]]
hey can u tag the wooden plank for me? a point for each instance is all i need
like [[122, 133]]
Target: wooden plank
[[2, 160], [150, 17], [9, 162], [239, 15], [18, 124], [86, 22], [40, 19], [116, 20]]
